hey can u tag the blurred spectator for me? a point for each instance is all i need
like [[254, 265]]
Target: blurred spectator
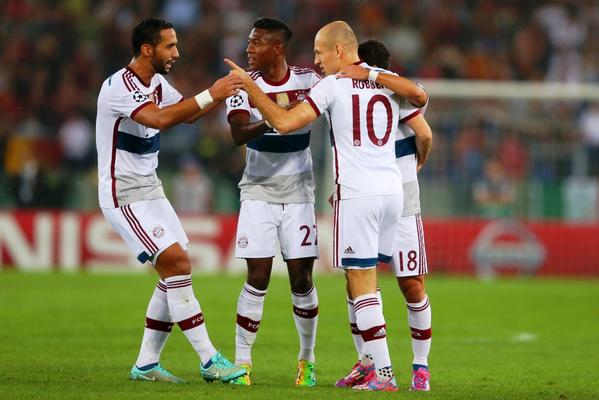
[[192, 190], [182, 13], [33, 185], [76, 137], [494, 193], [589, 126], [513, 155]]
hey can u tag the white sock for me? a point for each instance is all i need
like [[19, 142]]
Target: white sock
[[371, 322], [355, 332], [250, 306], [419, 320], [158, 327], [185, 310], [305, 314]]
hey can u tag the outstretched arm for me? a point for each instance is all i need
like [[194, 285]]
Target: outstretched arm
[[284, 121], [424, 138], [203, 111], [190, 109], [399, 85]]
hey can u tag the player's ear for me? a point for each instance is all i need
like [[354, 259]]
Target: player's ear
[[147, 50], [338, 50]]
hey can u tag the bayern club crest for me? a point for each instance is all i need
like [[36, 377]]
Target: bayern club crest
[[236, 101], [158, 232], [242, 241]]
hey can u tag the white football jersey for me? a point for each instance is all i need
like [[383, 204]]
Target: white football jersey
[[363, 117], [278, 167], [128, 151], [405, 151]]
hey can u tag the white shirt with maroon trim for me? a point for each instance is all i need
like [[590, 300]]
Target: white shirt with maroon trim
[[278, 167], [405, 151], [127, 150], [363, 117]]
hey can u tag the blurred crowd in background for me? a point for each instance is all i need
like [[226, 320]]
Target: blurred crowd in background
[[490, 158]]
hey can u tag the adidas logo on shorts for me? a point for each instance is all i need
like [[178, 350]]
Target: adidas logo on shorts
[[349, 250]]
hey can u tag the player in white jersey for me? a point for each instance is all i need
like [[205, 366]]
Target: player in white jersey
[[412, 147], [368, 194], [134, 105], [277, 198]]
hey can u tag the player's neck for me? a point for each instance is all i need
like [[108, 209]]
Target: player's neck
[[144, 71], [276, 71], [354, 59]]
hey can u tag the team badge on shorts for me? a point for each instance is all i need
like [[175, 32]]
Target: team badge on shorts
[[236, 101], [242, 241], [139, 97], [158, 232]]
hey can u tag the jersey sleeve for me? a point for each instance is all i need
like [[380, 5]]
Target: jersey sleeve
[[170, 95], [127, 103], [428, 97], [321, 95], [315, 79], [238, 103], [407, 110]]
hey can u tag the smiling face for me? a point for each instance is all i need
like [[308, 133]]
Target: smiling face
[[165, 53], [263, 48]]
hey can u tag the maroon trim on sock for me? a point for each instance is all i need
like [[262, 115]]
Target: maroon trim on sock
[[253, 292], [374, 333], [354, 329], [248, 324], [303, 294], [161, 286], [418, 309], [178, 284], [158, 325], [191, 322], [303, 313], [368, 302], [421, 334]]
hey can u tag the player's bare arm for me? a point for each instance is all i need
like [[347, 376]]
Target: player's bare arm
[[203, 111], [163, 118], [424, 138], [284, 121], [242, 130], [399, 85]]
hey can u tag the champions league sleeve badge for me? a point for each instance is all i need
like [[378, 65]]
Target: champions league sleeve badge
[[235, 101], [139, 97]]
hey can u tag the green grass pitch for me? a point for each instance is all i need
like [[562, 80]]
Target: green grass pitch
[[76, 336]]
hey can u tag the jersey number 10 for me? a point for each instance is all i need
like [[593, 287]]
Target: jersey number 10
[[356, 117]]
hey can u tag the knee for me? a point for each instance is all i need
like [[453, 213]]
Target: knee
[[180, 266], [301, 282], [412, 290], [258, 278]]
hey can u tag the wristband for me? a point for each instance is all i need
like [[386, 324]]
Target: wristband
[[204, 99], [372, 75]]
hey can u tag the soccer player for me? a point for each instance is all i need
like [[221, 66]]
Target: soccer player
[[134, 105], [368, 193], [412, 147], [277, 198]]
